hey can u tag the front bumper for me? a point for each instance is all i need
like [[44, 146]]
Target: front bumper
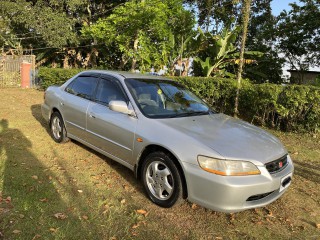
[[236, 193]]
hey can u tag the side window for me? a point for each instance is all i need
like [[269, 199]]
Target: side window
[[107, 91], [83, 86]]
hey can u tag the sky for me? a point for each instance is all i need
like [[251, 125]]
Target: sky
[[278, 5]]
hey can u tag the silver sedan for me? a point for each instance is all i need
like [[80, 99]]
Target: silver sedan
[[170, 139]]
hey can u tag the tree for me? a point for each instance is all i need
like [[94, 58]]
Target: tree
[[299, 35], [183, 34], [262, 37], [245, 21], [8, 38], [38, 19], [216, 15], [143, 31], [51, 28]]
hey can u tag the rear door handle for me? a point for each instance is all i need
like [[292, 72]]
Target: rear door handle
[[91, 115]]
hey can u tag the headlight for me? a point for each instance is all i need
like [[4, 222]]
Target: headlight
[[227, 167]]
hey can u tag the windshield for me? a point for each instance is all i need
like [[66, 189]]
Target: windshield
[[165, 99]]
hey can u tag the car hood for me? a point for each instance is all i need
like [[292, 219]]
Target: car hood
[[230, 137]]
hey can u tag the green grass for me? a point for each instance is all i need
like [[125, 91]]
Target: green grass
[[99, 198]]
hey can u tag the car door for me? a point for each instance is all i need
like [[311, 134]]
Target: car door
[[78, 95], [111, 131]]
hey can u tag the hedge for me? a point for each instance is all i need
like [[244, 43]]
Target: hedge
[[55, 76], [289, 108]]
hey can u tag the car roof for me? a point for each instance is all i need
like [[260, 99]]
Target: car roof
[[125, 74]]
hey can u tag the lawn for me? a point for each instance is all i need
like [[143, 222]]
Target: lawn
[[66, 191]]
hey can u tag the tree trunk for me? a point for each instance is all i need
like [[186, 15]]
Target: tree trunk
[[245, 21], [123, 62], [135, 49], [66, 61], [93, 58], [54, 64]]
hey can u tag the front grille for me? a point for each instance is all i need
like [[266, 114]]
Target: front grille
[[258, 197], [277, 165]]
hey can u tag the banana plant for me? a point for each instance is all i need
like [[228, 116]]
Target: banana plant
[[220, 51]]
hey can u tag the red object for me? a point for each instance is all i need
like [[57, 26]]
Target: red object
[[25, 74]]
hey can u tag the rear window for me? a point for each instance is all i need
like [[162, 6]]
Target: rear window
[[83, 86]]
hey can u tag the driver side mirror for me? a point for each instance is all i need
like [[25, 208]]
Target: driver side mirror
[[121, 107]]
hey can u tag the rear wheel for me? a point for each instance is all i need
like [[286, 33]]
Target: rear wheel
[[161, 179], [57, 129]]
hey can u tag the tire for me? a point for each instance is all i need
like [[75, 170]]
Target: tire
[[161, 179], [57, 128]]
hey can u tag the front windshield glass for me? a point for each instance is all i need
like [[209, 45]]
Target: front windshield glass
[[165, 99]]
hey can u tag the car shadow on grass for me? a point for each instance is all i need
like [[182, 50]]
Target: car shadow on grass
[[308, 171], [36, 113], [125, 172]]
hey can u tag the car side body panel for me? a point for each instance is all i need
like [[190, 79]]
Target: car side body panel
[[111, 131], [74, 111]]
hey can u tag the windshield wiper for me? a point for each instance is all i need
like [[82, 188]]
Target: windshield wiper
[[188, 114]]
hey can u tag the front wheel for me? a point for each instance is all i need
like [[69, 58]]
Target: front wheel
[[57, 129], [161, 179]]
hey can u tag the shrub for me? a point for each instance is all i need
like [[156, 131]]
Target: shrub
[[258, 103], [218, 92], [289, 108], [317, 81], [55, 76], [299, 108]]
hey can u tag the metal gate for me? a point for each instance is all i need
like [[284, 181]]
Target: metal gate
[[10, 70]]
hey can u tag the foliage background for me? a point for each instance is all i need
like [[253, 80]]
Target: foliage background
[[145, 34]]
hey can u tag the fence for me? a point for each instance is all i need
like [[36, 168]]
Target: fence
[[10, 70]]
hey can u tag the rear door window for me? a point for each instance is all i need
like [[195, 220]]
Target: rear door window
[[83, 86]]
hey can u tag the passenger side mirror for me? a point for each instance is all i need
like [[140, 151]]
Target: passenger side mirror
[[121, 106]]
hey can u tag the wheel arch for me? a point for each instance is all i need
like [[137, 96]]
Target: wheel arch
[[156, 148], [53, 111]]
